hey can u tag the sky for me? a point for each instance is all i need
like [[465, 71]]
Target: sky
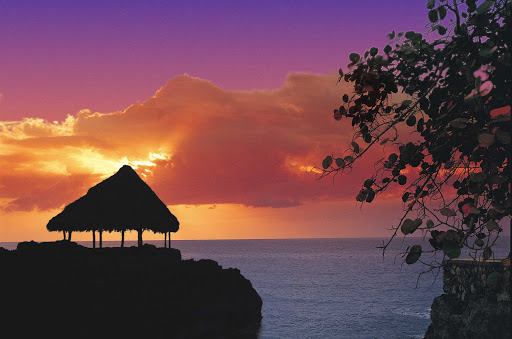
[[224, 108]]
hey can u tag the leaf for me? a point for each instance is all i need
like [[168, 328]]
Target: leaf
[[492, 225], [500, 112], [354, 57], [406, 103], [391, 35], [340, 162], [431, 4], [337, 115], [393, 157], [442, 12], [387, 49], [411, 121], [485, 139], [345, 98], [348, 159], [410, 34], [487, 253], [408, 227], [368, 183], [370, 196], [432, 16], [452, 252], [485, 88], [479, 242], [459, 123], [327, 162], [402, 180], [355, 146], [417, 222], [447, 212], [340, 71], [361, 196], [414, 254], [430, 223], [374, 51], [441, 30]]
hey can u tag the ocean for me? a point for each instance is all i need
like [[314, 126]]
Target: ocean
[[328, 288]]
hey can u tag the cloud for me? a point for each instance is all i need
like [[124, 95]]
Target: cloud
[[193, 142]]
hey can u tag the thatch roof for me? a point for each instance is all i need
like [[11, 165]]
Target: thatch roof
[[122, 202]]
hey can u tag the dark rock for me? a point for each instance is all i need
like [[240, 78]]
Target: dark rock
[[477, 318], [65, 290], [476, 303]]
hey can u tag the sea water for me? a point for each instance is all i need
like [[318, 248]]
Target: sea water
[[329, 288]]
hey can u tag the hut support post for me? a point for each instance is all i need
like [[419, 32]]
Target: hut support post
[[169, 240], [122, 238], [93, 239], [101, 238], [139, 238], [64, 234], [69, 235], [165, 240]]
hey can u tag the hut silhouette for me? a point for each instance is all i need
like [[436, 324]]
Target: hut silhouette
[[119, 203]]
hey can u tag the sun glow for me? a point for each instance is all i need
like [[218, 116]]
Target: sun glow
[[96, 163]]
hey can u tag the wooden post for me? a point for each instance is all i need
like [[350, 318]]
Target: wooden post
[[139, 238], [169, 239], [101, 238], [64, 234], [69, 235], [165, 240], [122, 238], [93, 239]]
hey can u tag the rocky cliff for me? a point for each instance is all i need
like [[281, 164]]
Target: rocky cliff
[[64, 290], [476, 303]]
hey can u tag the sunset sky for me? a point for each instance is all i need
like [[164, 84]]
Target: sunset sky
[[224, 108]]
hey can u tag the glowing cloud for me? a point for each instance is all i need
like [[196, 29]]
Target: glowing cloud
[[193, 142]]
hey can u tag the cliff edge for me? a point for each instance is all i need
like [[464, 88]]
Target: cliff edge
[[65, 290]]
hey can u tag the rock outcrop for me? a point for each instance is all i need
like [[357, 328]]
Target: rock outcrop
[[476, 303], [64, 290]]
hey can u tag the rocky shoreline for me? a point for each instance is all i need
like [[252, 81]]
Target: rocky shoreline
[[476, 303], [65, 290]]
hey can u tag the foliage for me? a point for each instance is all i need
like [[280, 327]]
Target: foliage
[[452, 156]]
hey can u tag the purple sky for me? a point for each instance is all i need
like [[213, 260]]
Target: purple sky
[[61, 56]]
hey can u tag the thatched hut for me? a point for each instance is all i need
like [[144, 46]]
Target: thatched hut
[[119, 203]]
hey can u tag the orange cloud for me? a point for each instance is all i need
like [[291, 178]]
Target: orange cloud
[[193, 142]]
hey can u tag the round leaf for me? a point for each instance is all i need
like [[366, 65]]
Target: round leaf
[[448, 212], [354, 57], [486, 139], [327, 162], [413, 255], [402, 180], [340, 162], [487, 253], [408, 227], [492, 225], [432, 16], [355, 146]]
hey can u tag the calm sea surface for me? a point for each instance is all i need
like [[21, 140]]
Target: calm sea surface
[[328, 288]]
